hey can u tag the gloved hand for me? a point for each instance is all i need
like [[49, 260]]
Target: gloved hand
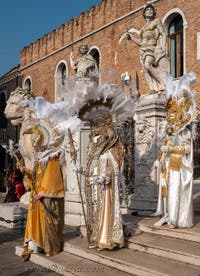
[[77, 168], [156, 164], [97, 180]]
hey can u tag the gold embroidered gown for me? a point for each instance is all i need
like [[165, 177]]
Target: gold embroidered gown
[[103, 206]]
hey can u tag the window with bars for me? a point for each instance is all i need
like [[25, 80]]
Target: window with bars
[[175, 46]]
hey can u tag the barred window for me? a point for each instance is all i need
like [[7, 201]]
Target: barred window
[[175, 46]]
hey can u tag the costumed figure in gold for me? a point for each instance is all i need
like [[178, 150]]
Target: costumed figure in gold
[[104, 167], [46, 141], [103, 172], [45, 218], [175, 162]]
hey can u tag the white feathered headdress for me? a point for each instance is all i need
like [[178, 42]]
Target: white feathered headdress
[[92, 103], [49, 124]]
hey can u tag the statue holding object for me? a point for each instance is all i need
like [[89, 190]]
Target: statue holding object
[[153, 55], [86, 66]]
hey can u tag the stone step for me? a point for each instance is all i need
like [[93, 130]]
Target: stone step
[[12, 215], [187, 252], [189, 234], [68, 264], [131, 261]]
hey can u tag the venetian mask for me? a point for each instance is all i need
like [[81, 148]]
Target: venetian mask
[[178, 114]]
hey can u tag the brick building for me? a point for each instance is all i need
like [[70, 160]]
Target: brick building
[[45, 62], [8, 82]]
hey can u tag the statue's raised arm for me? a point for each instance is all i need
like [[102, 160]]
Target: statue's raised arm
[[129, 36], [152, 42]]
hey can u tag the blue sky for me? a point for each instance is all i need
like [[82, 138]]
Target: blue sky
[[24, 21]]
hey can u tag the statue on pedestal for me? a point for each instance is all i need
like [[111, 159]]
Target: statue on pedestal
[[86, 66], [153, 55]]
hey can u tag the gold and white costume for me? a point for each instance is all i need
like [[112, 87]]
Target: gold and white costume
[[180, 183], [103, 206], [105, 109], [176, 159]]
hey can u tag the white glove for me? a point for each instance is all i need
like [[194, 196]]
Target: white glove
[[97, 180], [156, 164], [77, 168]]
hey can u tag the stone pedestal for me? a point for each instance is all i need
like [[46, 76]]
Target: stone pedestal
[[85, 83], [73, 206], [150, 112], [13, 211]]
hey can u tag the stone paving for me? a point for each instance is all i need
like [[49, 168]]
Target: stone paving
[[10, 264]]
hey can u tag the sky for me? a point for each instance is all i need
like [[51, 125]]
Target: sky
[[24, 21]]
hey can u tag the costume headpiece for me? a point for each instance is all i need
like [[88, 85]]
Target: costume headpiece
[[180, 105], [106, 106], [49, 124]]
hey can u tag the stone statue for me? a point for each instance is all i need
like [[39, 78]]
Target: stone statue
[[153, 55], [19, 114], [85, 66]]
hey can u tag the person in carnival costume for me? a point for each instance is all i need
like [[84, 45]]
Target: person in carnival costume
[[105, 109], [175, 162], [46, 143]]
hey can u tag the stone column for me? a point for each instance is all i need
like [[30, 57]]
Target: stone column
[[73, 206], [149, 112]]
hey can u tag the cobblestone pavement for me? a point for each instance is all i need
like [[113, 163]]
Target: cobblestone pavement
[[10, 264]]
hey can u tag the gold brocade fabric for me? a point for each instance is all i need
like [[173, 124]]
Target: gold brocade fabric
[[175, 161], [45, 218], [105, 217], [164, 190]]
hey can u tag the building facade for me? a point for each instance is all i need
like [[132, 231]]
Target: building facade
[[45, 63], [8, 83]]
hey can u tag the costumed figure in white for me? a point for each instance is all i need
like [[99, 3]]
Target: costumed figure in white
[[104, 110], [175, 163]]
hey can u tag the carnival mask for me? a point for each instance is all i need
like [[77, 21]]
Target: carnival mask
[[178, 114]]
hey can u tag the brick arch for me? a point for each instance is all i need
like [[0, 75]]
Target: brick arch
[[95, 52], [58, 77], [27, 83]]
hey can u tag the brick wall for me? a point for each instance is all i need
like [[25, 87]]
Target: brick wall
[[39, 59]]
